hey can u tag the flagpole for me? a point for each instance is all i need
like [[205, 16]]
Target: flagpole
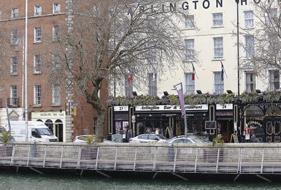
[[25, 70], [238, 123], [238, 49], [182, 104]]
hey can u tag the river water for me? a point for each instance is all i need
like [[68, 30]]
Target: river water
[[29, 181]]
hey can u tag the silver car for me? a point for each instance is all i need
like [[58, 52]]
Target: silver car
[[146, 138], [190, 139]]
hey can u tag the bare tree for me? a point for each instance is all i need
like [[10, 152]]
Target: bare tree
[[116, 37], [267, 36]]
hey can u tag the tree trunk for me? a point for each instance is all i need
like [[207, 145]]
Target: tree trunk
[[100, 126]]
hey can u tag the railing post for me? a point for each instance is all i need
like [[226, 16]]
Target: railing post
[[218, 159], [239, 167], [262, 161], [196, 160], [97, 158], [13, 154], [135, 159], [115, 158], [61, 156], [28, 156], [175, 160], [79, 158], [155, 158], [45, 154]]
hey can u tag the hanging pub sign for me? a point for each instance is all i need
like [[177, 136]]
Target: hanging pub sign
[[199, 107], [224, 106], [191, 5], [121, 108]]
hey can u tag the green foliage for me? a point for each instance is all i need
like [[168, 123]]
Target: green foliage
[[218, 140], [5, 137], [174, 100], [90, 139], [245, 98]]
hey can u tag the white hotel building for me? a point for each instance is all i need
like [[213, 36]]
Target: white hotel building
[[210, 36]]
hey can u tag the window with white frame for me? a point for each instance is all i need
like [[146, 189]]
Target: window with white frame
[[249, 46], [189, 49], [37, 10], [37, 95], [189, 22], [189, 83], [37, 34], [14, 65], [56, 30], [249, 19], [56, 94], [56, 61], [37, 64], [14, 13], [217, 19], [274, 80], [13, 95], [250, 82], [218, 82], [14, 37], [56, 8], [218, 47], [152, 84]]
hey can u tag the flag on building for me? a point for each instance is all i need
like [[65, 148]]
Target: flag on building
[[193, 72], [130, 78], [181, 100], [222, 72]]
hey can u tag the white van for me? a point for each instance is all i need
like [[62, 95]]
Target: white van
[[37, 132]]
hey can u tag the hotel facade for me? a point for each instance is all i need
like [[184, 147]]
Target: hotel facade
[[215, 61]]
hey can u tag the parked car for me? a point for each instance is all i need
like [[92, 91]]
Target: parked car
[[146, 138], [81, 139], [189, 139]]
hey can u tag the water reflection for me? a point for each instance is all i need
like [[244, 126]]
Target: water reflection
[[74, 182]]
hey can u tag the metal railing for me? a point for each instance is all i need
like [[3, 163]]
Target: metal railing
[[229, 159]]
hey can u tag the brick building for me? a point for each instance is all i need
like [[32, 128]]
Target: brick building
[[47, 100]]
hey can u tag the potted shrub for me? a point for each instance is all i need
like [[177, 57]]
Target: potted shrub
[[210, 154], [5, 138], [89, 152]]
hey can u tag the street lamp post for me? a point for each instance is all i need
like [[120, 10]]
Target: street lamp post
[[238, 49], [134, 125], [25, 70], [237, 126]]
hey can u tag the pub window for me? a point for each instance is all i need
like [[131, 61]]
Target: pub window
[[189, 83], [152, 84], [250, 82], [274, 80], [218, 82]]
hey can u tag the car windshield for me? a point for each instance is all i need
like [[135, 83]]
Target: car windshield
[[83, 138], [44, 131], [198, 139], [161, 137], [190, 139]]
